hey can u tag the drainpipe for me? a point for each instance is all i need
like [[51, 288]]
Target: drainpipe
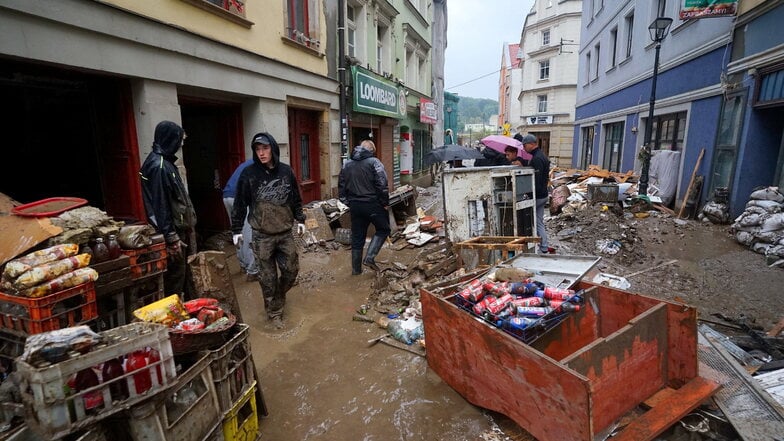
[[342, 79]]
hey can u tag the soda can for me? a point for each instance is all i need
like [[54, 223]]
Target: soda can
[[499, 304], [553, 293], [481, 306], [518, 323], [472, 293], [534, 311], [528, 301], [497, 289], [524, 289]]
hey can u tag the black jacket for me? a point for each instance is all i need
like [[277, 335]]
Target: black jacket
[[271, 194], [363, 179], [166, 201], [541, 166], [491, 158]]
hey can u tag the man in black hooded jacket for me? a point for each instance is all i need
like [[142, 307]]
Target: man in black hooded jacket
[[362, 185], [268, 195], [168, 206]]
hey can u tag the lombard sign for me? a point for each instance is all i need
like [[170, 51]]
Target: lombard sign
[[376, 95]]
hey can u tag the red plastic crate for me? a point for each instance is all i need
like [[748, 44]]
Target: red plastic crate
[[63, 309], [147, 261]]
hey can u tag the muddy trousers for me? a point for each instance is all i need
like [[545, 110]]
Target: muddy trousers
[[362, 215], [278, 263], [541, 231]]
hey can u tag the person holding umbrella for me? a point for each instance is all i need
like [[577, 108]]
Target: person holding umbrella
[[512, 156], [541, 166]]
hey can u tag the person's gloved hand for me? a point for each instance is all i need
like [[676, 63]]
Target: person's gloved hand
[[174, 250], [301, 229], [237, 238]]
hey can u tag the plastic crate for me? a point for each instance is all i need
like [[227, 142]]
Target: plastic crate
[[147, 261], [52, 413], [141, 293], [111, 310], [186, 411], [242, 422], [233, 370], [63, 309]]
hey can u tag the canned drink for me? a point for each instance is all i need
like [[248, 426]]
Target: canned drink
[[534, 311], [481, 306], [499, 304], [524, 289], [518, 323], [472, 294], [553, 293], [529, 301], [498, 288]]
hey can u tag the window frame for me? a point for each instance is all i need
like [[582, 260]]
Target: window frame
[[613, 47], [613, 132], [629, 23], [546, 37], [303, 13], [544, 70], [587, 134], [540, 101]]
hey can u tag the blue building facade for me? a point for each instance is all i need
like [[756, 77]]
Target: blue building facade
[[614, 88]]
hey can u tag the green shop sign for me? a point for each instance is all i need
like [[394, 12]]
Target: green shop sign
[[376, 95]]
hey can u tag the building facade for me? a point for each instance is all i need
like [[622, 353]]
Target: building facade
[[614, 87], [510, 83], [544, 105], [86, 82], [750, 137]]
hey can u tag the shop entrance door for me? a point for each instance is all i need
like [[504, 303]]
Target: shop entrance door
[[304, 150]]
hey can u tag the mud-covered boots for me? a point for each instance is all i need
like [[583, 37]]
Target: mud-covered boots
[[356, 262], [372, 252]]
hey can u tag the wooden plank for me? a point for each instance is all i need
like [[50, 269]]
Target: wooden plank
[[665, 414], [776, 330], [691, 183]]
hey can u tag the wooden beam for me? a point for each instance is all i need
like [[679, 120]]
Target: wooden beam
[[691, 183]]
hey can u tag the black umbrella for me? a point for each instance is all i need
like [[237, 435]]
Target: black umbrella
[[451, 152]]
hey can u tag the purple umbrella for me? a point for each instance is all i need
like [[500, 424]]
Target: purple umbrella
[[500, 142]]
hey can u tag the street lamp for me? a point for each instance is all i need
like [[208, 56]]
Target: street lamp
[[658, 30]]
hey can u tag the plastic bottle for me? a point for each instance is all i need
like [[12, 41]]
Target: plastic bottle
[[100, 251], [114, 247], [93, 400], [113, 369], [143, 380]]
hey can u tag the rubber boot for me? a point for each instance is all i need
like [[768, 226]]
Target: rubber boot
[[372, 252], [356, 262]]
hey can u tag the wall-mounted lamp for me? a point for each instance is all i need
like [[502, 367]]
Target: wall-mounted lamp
[[634, 129]]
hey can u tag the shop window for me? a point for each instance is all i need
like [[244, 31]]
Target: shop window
[[422, 144], [586, 147], [613, 146], [727, 142], [669, 131]]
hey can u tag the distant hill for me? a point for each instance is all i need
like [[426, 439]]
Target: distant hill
[[475, 110]]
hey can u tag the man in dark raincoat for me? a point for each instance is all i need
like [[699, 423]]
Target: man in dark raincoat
[[168, 205]]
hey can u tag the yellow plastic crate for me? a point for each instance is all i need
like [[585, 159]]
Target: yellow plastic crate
[[242, 422]]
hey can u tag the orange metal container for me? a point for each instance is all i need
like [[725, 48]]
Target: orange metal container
[[582, 375]]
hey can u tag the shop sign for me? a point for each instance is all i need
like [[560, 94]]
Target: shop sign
[[376, 95], [427, 111], [706, 9]]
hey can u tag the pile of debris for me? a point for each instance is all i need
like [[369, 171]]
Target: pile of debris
[[761, 225]]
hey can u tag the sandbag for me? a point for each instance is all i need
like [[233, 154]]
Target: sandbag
[[768, 206], [773, 222], [768, 193]]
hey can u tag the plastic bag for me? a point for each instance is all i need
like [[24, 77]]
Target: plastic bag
[[54, 345], [67, 280], [132, 237], [16, 267], [168, 311], [51, 270]]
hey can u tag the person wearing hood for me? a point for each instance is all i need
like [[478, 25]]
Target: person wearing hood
[[244, 253], [268, 197], [362, 185], [168, 205]]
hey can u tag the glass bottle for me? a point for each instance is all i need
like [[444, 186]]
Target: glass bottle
[[114, 247], [154, 357], [112, 369], [93, 400], [100, 251], [87, 249], [143, 380]]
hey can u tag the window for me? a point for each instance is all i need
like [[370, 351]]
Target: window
[[542, 103], [587, 68], [411, 68], [613, 46], [586, 147], [351, 31], [613, 146], [668, 131], [597, 49], [546, 37], [303, 22], [629, 33], [382, 52], [544, 70]]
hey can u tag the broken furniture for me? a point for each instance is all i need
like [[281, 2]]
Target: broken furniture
[[577, 379], [493, 245]]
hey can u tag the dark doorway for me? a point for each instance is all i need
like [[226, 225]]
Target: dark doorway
[[212, 150], [304, 149], [69, 134], [543, 140]]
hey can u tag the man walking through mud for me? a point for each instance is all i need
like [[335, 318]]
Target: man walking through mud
[[269, 190]]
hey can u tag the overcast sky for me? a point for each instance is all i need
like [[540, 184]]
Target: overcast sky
[[476, 33]]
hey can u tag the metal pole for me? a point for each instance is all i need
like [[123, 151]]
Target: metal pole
[[342, 79], [648, 148]]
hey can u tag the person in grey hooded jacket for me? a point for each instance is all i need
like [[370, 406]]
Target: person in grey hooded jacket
[[168, 205], [362, 185], [268, 196]]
